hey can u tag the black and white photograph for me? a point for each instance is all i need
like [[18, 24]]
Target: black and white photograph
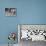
[[10, 11]]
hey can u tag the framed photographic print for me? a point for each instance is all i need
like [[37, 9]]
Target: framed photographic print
[[10, 11]]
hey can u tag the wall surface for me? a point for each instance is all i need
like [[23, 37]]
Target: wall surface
[[28, 12]]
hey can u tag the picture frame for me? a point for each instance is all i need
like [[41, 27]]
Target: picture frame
[[10, 11]]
